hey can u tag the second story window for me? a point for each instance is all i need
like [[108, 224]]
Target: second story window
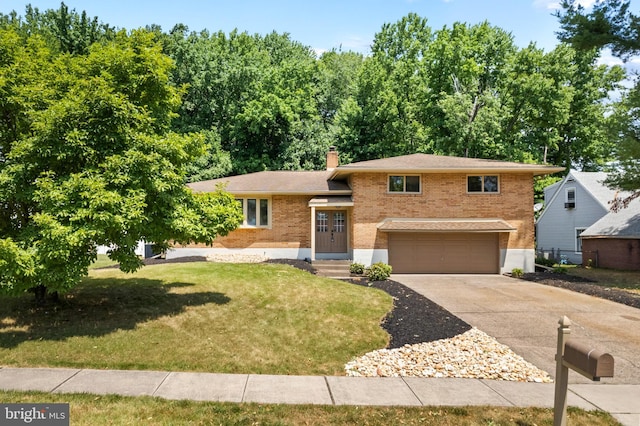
[[404, 184], [570, 198], [483, 184]]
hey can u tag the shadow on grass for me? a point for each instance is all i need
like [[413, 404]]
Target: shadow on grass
[[96, 308]]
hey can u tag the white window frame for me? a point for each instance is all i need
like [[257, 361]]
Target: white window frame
[[575, 196], [482, 184], [245, 201], [404, 184], [578, 243]]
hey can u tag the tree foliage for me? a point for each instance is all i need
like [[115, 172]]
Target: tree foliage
[[610, 24], [64, 30], [87, 158], [469, 91]]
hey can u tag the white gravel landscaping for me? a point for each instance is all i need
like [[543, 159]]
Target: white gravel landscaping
[[472, 354]]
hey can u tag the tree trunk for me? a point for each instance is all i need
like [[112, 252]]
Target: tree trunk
[[40, 293]]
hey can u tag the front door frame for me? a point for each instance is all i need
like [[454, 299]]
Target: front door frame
[[346, 210]]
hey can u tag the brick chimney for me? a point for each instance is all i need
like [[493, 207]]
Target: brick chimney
[[332, 158]]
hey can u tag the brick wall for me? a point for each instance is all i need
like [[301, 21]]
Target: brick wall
[[614, 253], [443, 196], [290, 225]]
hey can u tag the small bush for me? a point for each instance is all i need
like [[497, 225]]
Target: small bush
[[545, 262], [517, 273], [379, 271], [560, 270], [356, 268]]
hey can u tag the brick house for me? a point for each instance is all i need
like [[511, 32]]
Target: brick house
[[420, 213], [614, 240]]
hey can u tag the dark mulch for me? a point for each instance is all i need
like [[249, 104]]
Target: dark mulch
[[585, 286], [414, 318]]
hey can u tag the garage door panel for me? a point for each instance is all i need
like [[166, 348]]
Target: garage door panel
[[444, 253]]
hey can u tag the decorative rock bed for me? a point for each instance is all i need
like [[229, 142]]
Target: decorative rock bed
[[472, 354]]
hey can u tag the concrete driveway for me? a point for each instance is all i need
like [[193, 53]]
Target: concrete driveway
[[524, 316]]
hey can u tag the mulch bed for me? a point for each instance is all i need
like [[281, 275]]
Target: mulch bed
[[414, 318], [582, 285]]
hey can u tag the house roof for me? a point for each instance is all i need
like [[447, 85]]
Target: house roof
[[427, 163], [593, 182], [333, 181], [277, 182], [622, 224], [445, 225]]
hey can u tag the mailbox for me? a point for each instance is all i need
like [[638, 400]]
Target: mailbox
[[587, 361]]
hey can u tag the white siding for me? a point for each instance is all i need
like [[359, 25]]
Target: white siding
[[556, 227]]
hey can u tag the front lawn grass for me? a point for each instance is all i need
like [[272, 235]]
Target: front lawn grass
[[210, 317], [624, 280], [102, 261], [118, 410]]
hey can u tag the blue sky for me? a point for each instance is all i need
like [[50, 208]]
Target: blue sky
[[322, 25]]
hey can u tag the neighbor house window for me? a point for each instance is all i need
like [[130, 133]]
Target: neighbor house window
[[570, 198], [579, 231], [482, 184], [403, 183], [256, 211]]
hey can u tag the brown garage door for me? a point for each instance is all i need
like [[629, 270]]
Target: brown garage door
[[444, 253]]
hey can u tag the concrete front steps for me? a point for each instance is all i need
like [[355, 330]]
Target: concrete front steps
[[332, 268]]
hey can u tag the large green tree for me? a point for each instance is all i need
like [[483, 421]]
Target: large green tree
[[87, 159], [468, 90], [256, 92], [610, 24], [63, 30]]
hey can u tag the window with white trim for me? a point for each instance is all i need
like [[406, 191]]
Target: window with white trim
[[483, 184], [256, 212], [569, 198], [578, 239], [409, 184]]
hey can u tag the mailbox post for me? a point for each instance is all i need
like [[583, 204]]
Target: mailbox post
[[562, 375], [589, 362]]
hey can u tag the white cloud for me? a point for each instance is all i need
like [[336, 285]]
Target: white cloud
[[555, 4]]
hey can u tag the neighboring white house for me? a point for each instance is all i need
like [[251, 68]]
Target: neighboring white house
[[571, 206]]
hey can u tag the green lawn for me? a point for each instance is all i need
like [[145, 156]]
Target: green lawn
[[213, 317], [116, 410], [102, 261], [625, 280]]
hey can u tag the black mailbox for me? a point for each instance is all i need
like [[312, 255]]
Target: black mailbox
[[587, 361]]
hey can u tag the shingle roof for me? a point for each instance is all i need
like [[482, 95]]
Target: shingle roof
[[593, 182], [427, 163], [277, 182], [445, 225], [332, 181], [623, 224]]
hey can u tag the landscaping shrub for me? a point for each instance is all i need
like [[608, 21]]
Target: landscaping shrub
[[517, 273], [356, 268], [379, 271], [544, 261]]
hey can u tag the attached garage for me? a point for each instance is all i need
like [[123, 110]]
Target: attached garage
[[444, 247]]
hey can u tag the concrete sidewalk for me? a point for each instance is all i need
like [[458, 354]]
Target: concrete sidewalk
[[622, 401]]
